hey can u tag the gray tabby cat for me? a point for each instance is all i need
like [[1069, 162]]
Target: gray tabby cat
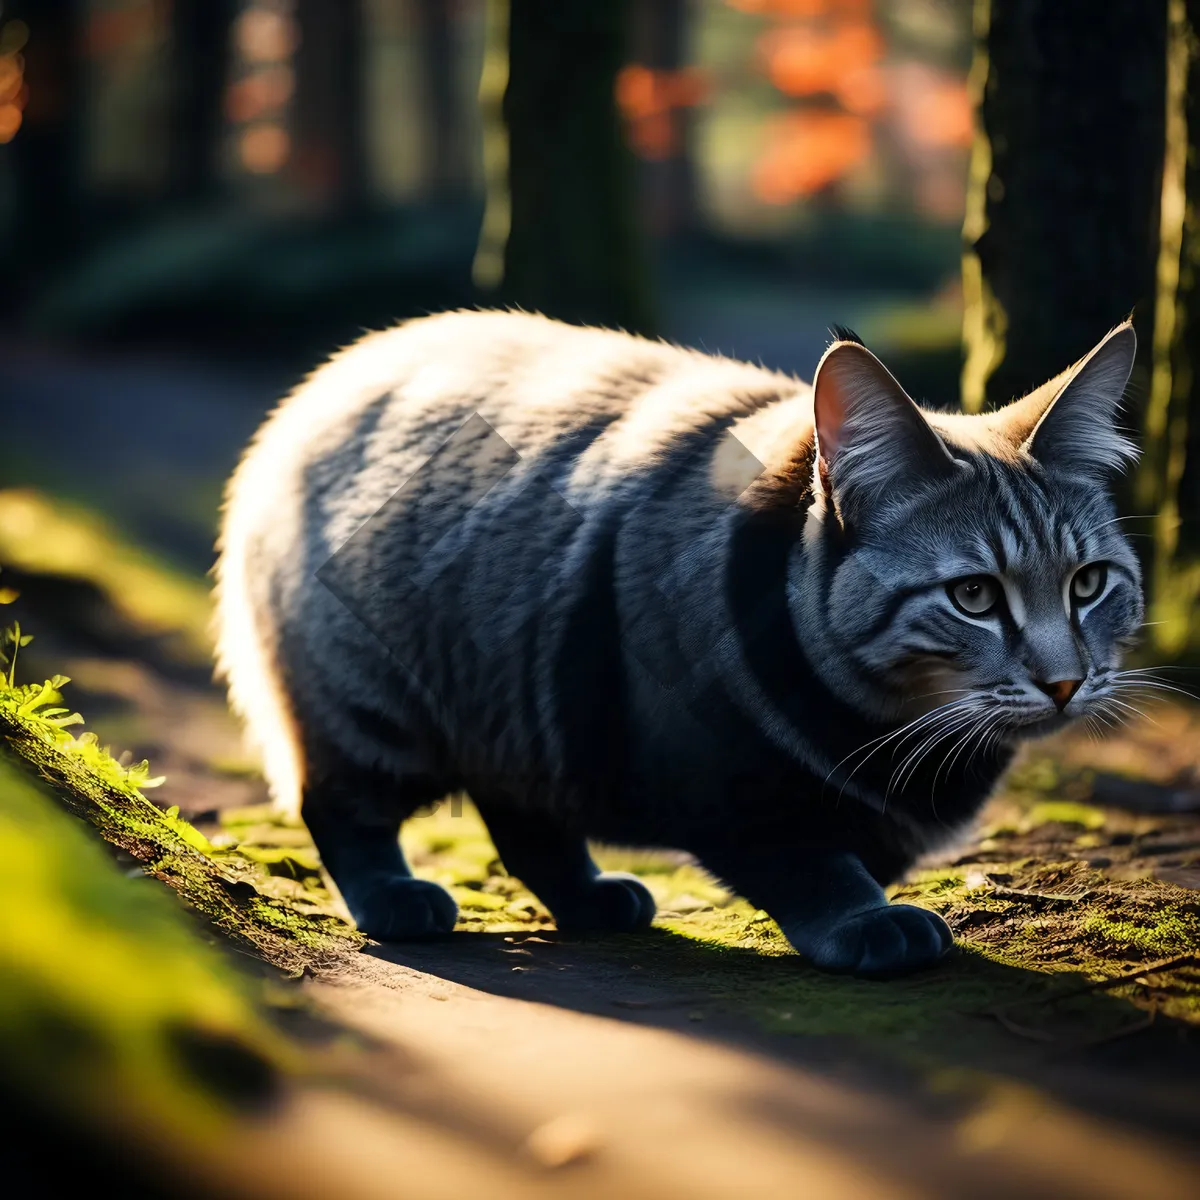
[[622, 591]]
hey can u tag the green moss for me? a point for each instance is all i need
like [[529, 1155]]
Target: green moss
[[1163, 934], [1027, 930], [1065, 812], [246, 897], [107, 987]]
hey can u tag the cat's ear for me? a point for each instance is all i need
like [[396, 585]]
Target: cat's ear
[[1078, 430], [872, 441]]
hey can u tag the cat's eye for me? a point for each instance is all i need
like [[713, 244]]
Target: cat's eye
[[1088, 582], [976, 595]]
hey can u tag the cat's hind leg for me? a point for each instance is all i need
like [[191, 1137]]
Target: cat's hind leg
[[554, 863], [354, 815]]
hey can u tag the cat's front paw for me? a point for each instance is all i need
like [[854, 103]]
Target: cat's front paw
[[614, 902], [880, 943], [398, 908]]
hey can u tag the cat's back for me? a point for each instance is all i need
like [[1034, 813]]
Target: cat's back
[[528, 388]]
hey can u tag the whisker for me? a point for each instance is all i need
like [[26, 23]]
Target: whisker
[[879, 742], [1110, 719], [905, 771], [1154, 685], [1134, 710], [951, 755], [943, 692], [1156, 670], [1126, 517], [931, 738]]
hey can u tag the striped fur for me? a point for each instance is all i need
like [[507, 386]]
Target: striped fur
[[621, 590]]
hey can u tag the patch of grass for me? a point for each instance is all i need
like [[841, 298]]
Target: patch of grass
[[108, 991], [278, 909], [1065, 812], [1166, 932], [36, 707]]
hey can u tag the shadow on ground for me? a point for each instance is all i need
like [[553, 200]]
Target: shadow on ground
[[1097, 1052]]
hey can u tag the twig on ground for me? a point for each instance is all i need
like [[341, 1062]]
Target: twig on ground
[[1005, 893]]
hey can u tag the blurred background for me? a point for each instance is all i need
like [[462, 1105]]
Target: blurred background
[[199, 199]]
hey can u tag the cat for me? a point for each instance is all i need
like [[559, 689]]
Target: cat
[[623, 591]]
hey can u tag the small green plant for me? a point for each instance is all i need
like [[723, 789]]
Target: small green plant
[[37, 707]]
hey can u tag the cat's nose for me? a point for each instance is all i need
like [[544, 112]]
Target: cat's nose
[[1060, 691]]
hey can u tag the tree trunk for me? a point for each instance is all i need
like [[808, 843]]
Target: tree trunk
[[47, 150], [1168, 481], [1063, 206], [661, 43], [330, 110], [200, 52], [572, 249], [445, 168]]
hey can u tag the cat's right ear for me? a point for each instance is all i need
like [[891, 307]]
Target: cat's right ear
[[872, 441]]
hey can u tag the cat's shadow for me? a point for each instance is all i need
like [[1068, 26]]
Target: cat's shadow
[[1093, 1050]]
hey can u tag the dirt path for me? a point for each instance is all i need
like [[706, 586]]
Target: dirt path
[[595, 1106]]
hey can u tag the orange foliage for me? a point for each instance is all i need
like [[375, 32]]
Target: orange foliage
[[12, 76], [834, 53], [10, 122], [649, 98], [806, 60], [13, 90], [939, 114], [264, 36], [264, 149], [800, 8], [259, 94], [807, 151]]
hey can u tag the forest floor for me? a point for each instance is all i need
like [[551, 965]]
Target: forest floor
[[1057, 1052]]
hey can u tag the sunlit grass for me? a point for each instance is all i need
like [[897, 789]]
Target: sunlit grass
[[97, 962], [36, 708]]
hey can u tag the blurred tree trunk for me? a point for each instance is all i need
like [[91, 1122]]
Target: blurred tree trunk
[[1168, 481], [660, 36], [570, 243], [200, 51], [1062, 218], [47, 150], [445, 168], [329, 123]]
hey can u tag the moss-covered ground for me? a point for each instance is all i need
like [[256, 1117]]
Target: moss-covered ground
[[1050, 949]]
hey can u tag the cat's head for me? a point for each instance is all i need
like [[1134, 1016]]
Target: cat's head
[[975, 565]]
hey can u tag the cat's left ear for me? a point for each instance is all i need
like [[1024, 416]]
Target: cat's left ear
[[873, 442], [1078, 431]]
